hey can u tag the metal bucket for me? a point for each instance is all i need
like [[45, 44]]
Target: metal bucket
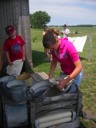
[[37, 90], [3, 84], [17, 90], [16, 115], [7, 79]]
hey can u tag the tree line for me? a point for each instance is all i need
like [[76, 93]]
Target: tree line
[[40, 19]]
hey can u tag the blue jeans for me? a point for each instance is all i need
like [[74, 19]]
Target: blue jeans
[[76, 83]]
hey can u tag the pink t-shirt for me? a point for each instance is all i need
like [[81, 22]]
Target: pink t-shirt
[[66, 56], [14, 47]]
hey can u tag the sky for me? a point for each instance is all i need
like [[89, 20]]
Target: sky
[[70, 12]]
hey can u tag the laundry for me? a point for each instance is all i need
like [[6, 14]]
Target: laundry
[[78, 42], [16, 68]]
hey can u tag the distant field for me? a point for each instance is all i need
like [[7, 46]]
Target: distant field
[[88, 86]]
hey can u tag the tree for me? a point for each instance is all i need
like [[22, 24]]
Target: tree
[[39, 19]]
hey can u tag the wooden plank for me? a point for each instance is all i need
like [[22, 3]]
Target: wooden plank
[[43, 75], [38, 76], [35, 77]]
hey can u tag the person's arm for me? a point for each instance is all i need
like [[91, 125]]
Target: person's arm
[[8, 58], [52, 68], [76, 71], [23, 51], [43, 33]]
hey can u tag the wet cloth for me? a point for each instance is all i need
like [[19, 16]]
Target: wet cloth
[[16, 68], [78, 42], [75, 84]]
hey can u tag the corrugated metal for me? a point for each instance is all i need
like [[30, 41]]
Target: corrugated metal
[[16, 12]]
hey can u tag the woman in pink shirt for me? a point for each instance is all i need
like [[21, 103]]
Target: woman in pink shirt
[[65, 53]]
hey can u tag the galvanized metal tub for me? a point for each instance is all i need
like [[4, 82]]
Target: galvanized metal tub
[[17, 90]]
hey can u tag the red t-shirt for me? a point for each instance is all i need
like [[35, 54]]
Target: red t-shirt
[[14, 47]]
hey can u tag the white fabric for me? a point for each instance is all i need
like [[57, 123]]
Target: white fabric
[[16, 68], [78, 42]]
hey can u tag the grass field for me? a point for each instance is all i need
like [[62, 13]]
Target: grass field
[[88, 58]]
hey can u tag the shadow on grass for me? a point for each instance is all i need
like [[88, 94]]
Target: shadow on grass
[[82, 58], [38, 58]]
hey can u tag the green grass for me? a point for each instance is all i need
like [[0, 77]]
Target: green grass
[[88, 86]]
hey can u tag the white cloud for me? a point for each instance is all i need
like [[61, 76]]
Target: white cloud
[[71, 11]]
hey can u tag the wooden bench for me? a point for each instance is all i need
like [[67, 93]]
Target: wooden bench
[[36, 77]]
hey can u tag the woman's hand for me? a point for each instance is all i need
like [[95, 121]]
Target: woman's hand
[[62, 84], [23, 59]]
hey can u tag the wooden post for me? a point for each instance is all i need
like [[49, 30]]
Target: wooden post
[[90, 48]]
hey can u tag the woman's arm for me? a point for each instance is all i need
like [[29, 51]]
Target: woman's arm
[[76, 71], [8, 58], [52, 68], [23, 51]]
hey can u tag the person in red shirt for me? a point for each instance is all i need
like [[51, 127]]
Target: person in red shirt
[[14, 46]]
